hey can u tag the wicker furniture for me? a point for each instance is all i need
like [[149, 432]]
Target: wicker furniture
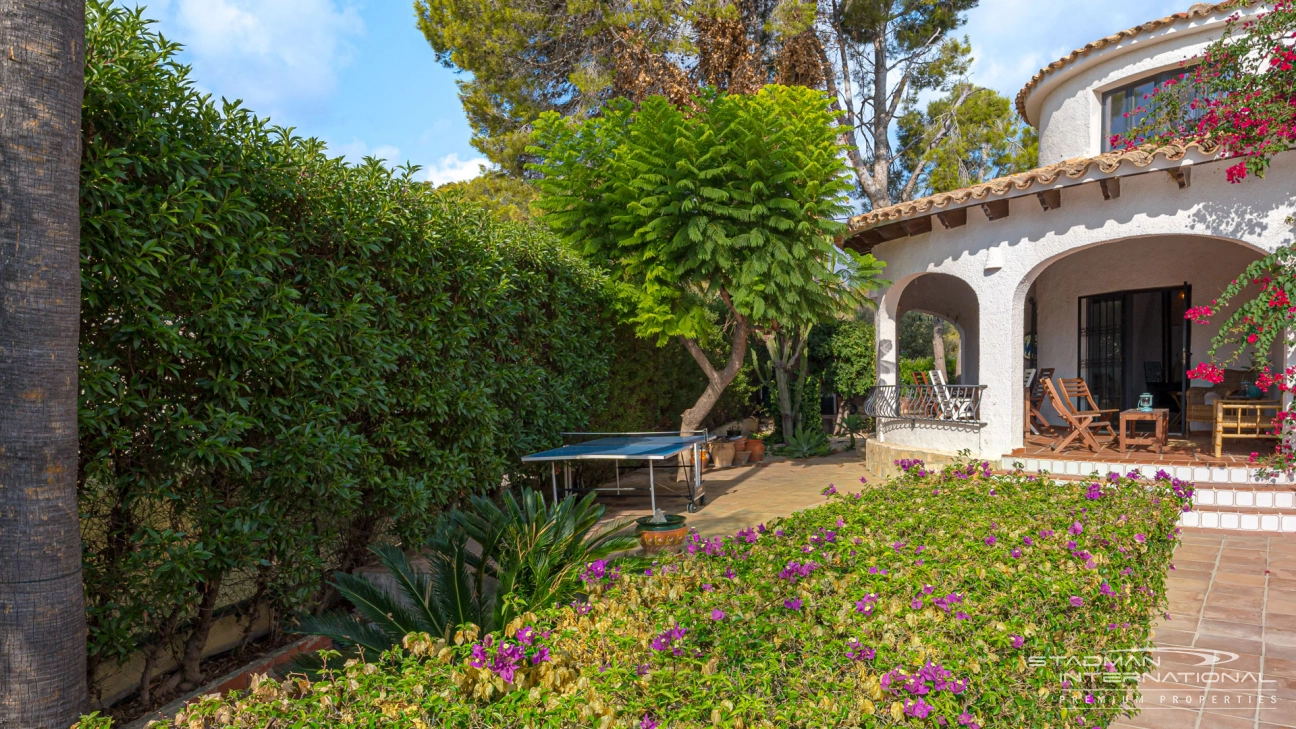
[[1200, 411], [1243, 419], [1160, 418]]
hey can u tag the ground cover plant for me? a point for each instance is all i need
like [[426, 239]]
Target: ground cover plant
[[938, 599]]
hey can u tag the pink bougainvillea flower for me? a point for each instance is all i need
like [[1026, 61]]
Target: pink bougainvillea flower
[[990, 540], [967, 720], [647, 722], [1018, 641], [1140, 538], [793, 604], [1077, 601], [717, 614]]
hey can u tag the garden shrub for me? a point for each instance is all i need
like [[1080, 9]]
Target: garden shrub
[[285, 358], [939, 599]]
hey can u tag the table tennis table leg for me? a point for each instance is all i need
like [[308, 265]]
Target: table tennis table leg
[[652, 487], [553, 471]]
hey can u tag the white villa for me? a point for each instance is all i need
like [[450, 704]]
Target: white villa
[[1085, 265]]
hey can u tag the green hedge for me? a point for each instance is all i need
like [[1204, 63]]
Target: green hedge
[[285, 357], [936, 599]]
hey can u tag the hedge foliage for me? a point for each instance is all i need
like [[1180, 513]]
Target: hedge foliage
[[957, 599], [283, 356]]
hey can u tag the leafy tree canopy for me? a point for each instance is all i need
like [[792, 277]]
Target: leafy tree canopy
[[872, 57], [717, 217]]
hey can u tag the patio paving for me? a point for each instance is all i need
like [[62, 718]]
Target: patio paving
[[1234, 593], [743, 496]]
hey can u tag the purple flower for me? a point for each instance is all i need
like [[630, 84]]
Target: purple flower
[[917, 708], [1077, 601], [541, 655], [761, 527], [642, 669], [1140, 538], [647, 722], [1016, 554], [830, 490], [857, 651], [717, 614], [793, 604], [669, 639], [707, 587], [1027, 541], [1075, 529], [990, 540], [960, 615], [1106, 590], [1018, 641], [794, 571], [729, 573], [917, 603], [969, 721]]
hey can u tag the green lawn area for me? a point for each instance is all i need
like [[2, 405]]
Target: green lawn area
[[950, 599]]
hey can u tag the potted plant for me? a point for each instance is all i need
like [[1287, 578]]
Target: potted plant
[[756, 447], [661, 532]]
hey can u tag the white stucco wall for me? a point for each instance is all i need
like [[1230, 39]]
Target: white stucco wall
[[1152, 216], [1067, 105]]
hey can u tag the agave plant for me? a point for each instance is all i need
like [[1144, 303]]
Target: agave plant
[[806, 443], [523, 555]]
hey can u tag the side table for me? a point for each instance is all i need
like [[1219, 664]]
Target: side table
[[1129, 436]]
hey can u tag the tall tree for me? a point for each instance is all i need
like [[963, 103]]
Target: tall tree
[[42, 613], [946, 147], [872, 57], [718, 222]]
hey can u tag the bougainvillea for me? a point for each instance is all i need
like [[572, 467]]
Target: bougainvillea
[[957, 633], [1240, 97]]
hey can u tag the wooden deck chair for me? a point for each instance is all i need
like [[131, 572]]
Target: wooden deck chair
[[1035, 401], [1079, 423], [952, 407], [1075, 388]]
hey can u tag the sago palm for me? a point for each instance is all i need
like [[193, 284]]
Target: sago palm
[[524, 555]]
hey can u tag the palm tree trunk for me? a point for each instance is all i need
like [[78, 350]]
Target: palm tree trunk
[[42, 611]]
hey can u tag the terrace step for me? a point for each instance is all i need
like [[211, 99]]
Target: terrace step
[[1202, 476], [1229, 499]]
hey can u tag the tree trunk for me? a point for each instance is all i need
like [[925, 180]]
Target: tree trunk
[[938, 349], [191, 662], [42, 610], [717, 380]]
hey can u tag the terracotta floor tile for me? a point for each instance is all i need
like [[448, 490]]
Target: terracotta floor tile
[[1279, 711], [1241, 615], [1280, 655], [1228, 643], [1231, 703], [1235, 589], [1233, 578], [1279, 621], [1221, 721], [1231, 629], [1157, 717], [1169, 637]]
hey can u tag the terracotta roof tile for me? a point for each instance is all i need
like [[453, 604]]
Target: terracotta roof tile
[[1200, 10], [1073, 168]]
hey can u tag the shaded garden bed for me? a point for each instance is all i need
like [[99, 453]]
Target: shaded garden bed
[[958, 599]]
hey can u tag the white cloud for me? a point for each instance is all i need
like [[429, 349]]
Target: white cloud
[[453, 169], [1014, 39], [273, 54]]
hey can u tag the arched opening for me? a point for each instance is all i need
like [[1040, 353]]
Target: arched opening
[[1113, 315], [937, 302]]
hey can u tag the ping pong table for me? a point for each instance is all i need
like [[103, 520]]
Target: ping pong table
[[652, 447]]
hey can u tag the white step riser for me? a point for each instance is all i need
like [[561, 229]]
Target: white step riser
[[1200, 475], [1236, 521]]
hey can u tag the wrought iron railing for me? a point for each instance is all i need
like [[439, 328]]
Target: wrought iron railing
[[933, 403]]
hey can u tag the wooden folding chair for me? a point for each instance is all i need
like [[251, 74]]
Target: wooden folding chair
[[1075, 388], [1080, 423], [1036, 400]]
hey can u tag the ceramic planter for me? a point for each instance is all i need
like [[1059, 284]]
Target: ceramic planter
[[757, 450], [723, 453], [666, 536]]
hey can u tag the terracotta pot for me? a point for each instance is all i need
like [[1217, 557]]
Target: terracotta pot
[[740, 445], [757, 450], [668, 536], [741, 458]]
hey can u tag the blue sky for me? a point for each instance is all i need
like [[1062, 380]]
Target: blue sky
[[360, 76]]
